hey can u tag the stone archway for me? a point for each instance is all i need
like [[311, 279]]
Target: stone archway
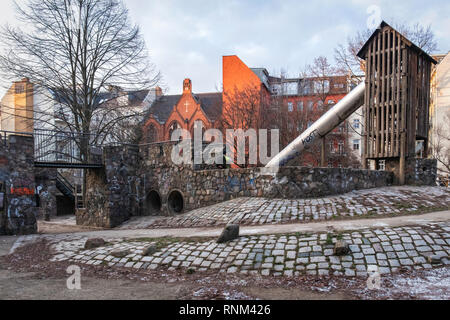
[[153, 203], [175, 202]]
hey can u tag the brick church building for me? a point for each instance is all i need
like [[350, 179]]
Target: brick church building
[[293, 104]]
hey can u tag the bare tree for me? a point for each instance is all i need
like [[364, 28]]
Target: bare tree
[[346, 53], [73, 50], [242, 109], [440, 146], [327, 80]]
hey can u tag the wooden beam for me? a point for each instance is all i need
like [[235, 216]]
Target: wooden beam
[[377, 104], [382, 99]]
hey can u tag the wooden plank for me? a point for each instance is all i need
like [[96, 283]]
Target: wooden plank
[[398, 98], [372, 103], [403, 105], [427, 102], [412, 105], [394, 91], [419, 89], [383, 89], [377, 104], [388, 98], [367, 107]]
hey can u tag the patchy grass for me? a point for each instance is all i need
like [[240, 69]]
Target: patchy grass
[[401, 206], [329, 239], [302, 235]]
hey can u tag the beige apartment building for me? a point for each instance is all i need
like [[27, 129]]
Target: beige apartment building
[[16, 107], [440, 114]]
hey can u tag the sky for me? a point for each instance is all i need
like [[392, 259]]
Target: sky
[[187, 39]]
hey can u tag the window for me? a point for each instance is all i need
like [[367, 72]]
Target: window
[[341, 148], [322, 86], [300, 127], [382, 165], [310, 123], [356, 144], [291, 88], [356, 123], [173, 127], [331, 147], [331, 102], [300, 106], [310, 105], [19, 88], [291, 126], [276, 89], [152, 134], [305, 87], [290, 106], [320, 104]]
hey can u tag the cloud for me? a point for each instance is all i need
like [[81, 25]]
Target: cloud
[[188, 38]]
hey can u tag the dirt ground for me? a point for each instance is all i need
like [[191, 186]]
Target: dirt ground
[[29, 286], [26, 275]]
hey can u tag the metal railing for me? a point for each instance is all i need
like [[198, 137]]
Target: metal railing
[[57, 148], [5, 134], [60, 149]]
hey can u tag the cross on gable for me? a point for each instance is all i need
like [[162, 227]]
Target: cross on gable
[[187, 106]]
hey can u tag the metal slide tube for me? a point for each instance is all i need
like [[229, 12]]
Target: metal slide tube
[[327, 123]]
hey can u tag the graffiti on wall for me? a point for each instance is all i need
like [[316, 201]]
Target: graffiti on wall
[[22, 191]]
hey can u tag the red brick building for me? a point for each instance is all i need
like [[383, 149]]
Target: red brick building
[[267, 102]]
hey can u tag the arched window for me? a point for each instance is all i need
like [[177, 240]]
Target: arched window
[[174, 126], [198, 124], [152, 134]]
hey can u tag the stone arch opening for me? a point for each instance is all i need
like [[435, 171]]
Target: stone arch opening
[[154, 203], [176, 202]]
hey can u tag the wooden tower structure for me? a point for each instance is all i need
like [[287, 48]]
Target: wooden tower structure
[[397, 99]]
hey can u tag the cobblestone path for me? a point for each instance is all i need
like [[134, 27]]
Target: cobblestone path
[[258, 211], [389, 249]]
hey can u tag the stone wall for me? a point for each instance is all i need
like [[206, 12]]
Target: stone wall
[[18, 210], [199, 188], [147, 182], [46, 191], [418, 172], [112, 195], [421, 172]]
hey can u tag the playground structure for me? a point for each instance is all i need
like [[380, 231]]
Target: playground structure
[[396, 99]]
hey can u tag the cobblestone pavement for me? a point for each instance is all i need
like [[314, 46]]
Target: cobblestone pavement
[[389, 249], [258, 211]]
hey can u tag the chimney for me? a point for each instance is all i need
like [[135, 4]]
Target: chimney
[[187, 86], [158, 92]]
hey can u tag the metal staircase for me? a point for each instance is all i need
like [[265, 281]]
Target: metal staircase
[[74, 193], [65, 187]]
